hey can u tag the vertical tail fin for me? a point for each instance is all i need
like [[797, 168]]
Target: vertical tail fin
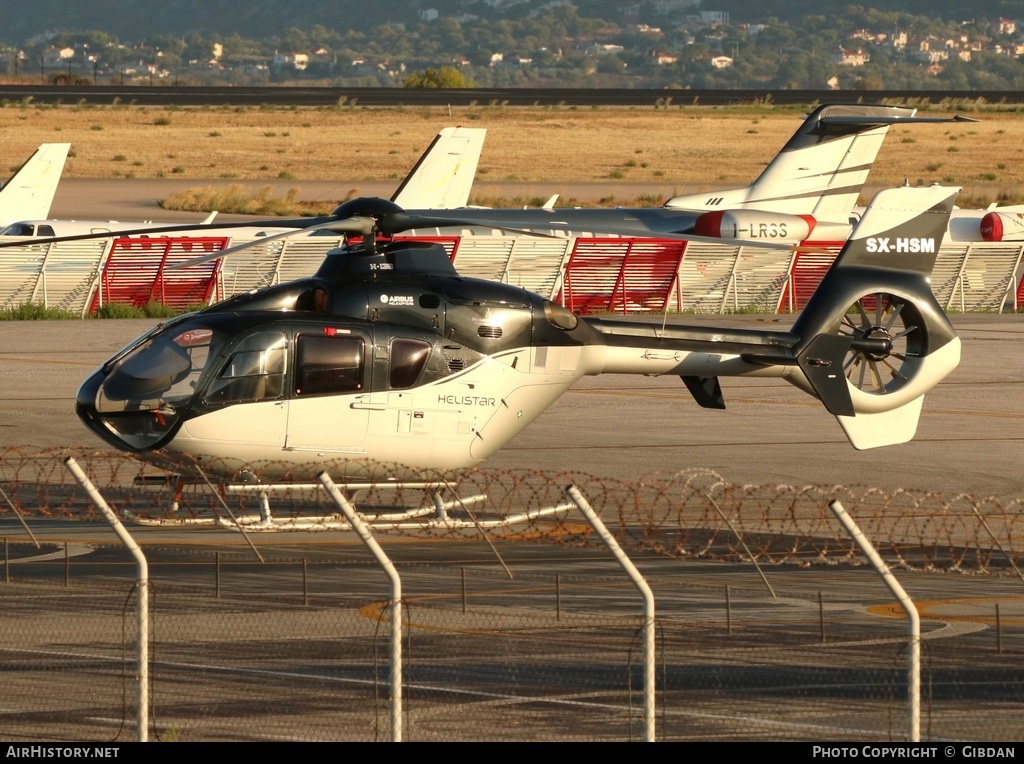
[[30, 191], [825, 164], [873, 339], [443, 176], [821, 170]]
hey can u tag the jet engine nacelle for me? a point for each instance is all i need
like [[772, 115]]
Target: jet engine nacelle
[[1002, 226], [755, 225]]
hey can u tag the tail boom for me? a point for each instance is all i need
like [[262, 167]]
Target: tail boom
[[870, 343]]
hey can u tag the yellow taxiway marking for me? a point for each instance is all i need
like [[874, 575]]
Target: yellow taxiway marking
[[961, 610]]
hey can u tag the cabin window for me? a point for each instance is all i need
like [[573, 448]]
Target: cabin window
[[408, 357], [45, 230], [254, 371], [328, 364]]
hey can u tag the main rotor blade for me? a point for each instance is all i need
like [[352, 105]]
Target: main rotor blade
[[359, 226], [388, 219], [182, 228]]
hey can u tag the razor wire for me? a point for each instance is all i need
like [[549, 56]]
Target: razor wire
[[693, 514]]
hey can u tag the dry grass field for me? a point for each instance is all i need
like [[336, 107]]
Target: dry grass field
[[677, 145]]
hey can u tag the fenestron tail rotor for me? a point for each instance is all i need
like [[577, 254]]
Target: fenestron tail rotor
[[896, 337]]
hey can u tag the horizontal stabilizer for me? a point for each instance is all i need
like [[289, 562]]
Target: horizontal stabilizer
[[822, 363]]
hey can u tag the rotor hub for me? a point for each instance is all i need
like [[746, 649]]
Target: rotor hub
[[874, 342], [366, 206]]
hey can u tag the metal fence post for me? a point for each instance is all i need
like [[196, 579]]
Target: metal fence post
[[584, 506], [396, 599], [143, 588], [913, 618]]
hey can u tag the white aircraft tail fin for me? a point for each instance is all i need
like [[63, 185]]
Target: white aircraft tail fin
[[821, 170], [29, 193], [443, 176]]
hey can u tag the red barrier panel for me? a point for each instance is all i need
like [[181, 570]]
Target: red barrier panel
[[621, 275], [807, 271], [137, 272]]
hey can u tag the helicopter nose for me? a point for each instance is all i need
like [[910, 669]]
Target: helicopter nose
[[123, 426], [85, 407], [85, 402]]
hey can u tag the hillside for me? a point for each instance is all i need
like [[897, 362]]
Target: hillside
[[138, 19]]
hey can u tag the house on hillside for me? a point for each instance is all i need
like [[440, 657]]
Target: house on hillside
[[53, 56], [659, 58], [297, 61], [851, 57]]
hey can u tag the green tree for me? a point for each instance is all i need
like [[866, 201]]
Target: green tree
[[611, 64], [445, 78], [294, 40]]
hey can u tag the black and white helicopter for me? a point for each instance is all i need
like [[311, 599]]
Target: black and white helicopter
[[387, 363]]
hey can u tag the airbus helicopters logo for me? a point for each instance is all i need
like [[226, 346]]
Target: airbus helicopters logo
[[397, 300], [899, 245]]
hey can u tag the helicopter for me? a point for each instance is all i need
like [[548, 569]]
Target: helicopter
[[387, 363]]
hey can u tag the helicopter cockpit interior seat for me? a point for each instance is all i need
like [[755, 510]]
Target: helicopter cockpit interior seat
[[320, 300], [315, 300]]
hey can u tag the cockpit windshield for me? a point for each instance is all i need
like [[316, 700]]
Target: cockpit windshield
[[18, 229], [138, 401], [161, 373]]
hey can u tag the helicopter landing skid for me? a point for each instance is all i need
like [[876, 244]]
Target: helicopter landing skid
[[439, 507], [437, 516], [404, 521]]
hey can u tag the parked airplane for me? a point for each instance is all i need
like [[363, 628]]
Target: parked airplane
[[388, 357], [442, 178], [811, 186], [29, 192], [993, 224]]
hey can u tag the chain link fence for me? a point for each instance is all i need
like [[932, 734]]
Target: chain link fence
[[529, 635]]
